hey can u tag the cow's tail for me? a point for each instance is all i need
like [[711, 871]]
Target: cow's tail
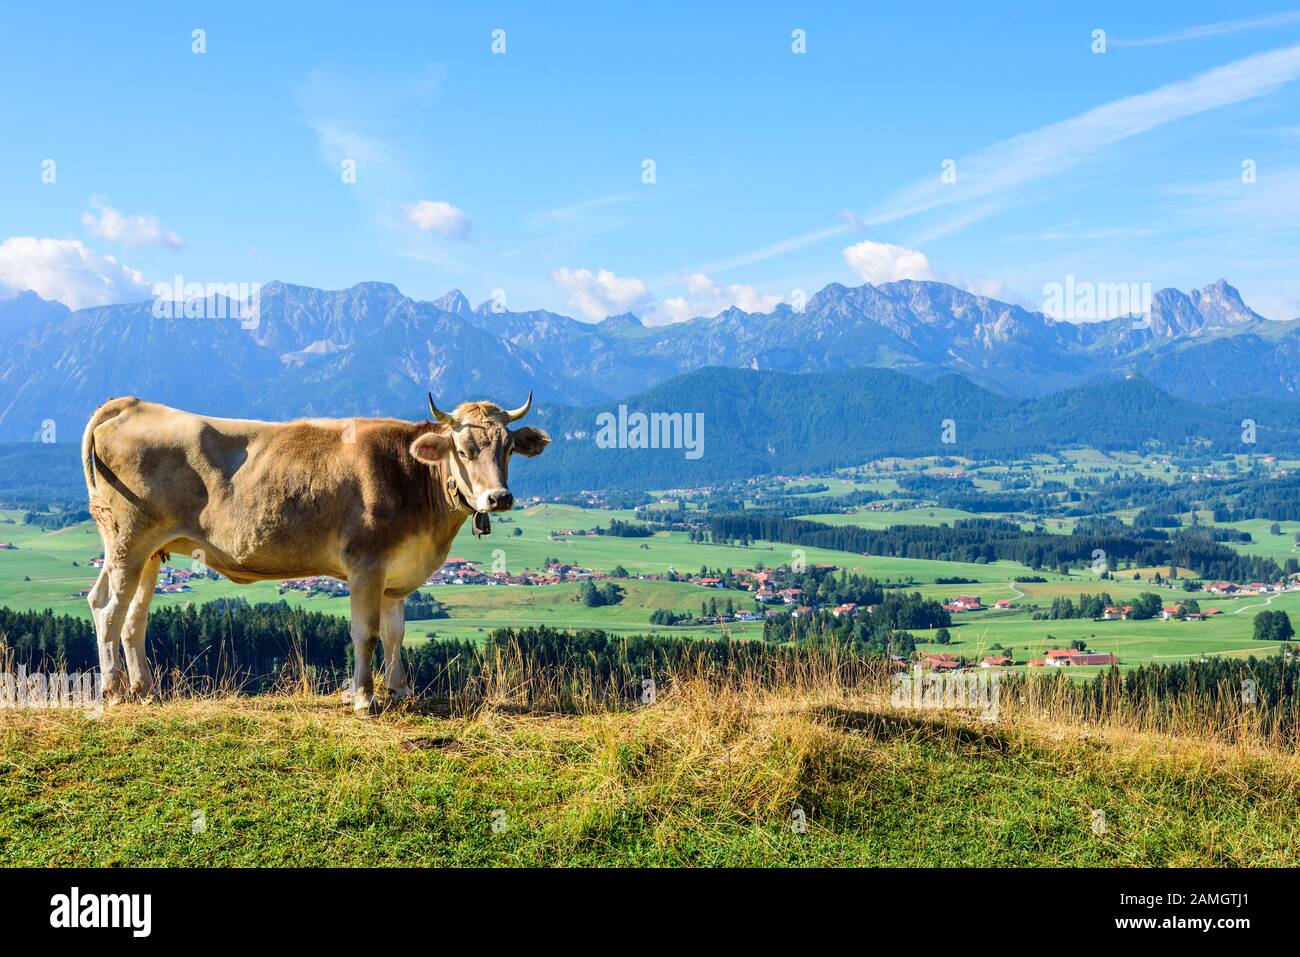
[[101, 415]]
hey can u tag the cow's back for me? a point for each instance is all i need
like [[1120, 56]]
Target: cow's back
[[267, 496]]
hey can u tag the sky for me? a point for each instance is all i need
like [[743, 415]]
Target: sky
[[665, 159]]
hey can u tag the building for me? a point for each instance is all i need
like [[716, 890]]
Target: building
[[1069, 657], [941, 661], [996, 661]]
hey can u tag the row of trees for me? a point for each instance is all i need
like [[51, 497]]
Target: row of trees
[[988, 540]]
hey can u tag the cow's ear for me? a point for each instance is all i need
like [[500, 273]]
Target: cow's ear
[[530, 441], [431, 447]]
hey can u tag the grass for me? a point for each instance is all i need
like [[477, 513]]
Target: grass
[[1135, 642], [708, 776]]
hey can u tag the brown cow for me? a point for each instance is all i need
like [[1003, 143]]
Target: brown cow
[[375, 502]]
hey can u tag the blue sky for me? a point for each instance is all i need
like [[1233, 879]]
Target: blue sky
[[775, 172]]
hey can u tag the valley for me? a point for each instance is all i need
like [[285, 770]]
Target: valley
[[659, 570]]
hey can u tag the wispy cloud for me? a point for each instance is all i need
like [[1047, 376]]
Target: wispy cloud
[[1217, 29], [989, 179], [574, 212], [996, 171], [774, 249]]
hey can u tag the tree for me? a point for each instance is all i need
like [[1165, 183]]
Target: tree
[[1273, 626], [942, 636]]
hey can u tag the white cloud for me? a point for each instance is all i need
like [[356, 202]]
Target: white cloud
[[878, 263], [438, 216], [600, 294], [885, 262], [707, 298], [66, 270], [143, 230]]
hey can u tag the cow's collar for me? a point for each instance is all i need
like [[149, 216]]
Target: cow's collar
[[459, 501]]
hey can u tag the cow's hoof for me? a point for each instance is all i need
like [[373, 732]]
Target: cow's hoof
[[398, 695], [365, 709], [114, 699]]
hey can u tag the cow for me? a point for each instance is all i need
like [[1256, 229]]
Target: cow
[[375, 502]]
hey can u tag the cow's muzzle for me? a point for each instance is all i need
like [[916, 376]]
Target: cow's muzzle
[[496, 500]]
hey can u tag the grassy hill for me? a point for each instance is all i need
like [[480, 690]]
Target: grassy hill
[[701, 778]]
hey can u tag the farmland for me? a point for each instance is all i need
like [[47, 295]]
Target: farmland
[[46, 569]]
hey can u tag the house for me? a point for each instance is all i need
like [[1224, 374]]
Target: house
[[1002, 603], [1058, 657], [801, 611], [940, 661], [1110, 613], [1194, 616], [790, 595], [848, 608], [1069, 657], [996, 661], [1095, 658], [1037, 662], [1170, 611], [748, 616]]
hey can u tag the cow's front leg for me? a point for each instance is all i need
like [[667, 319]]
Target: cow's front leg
[[367, 593], [393, 627]]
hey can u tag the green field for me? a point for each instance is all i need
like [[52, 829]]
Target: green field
[[47, 569]]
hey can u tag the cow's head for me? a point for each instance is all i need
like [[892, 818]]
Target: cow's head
[[474, 444]]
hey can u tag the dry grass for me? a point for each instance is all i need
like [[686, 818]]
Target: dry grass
[[712, 773]]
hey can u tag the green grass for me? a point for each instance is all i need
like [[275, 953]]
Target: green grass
[[1135, 642], [700, 779]]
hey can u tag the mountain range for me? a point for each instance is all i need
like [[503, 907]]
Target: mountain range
[[371, 350]]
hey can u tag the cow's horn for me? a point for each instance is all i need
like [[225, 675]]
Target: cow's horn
[[514, 415], [438, 414]]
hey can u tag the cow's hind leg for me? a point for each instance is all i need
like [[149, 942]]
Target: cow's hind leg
[[110, 599], [392, 629], [367, 595], [133, 631]]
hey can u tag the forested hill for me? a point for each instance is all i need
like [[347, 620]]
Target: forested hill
[[758, 423], [762, 423]]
